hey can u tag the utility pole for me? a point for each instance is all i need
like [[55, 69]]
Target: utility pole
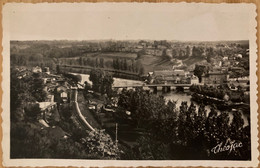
[[116, 134]]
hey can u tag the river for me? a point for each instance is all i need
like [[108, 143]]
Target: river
[[173, 95], [117, 81]]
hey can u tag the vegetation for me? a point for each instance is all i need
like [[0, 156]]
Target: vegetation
[[200, 70], [67, 139], [183, 133], [73, 79], [102, 82], [220, 92], [167, 132], [130, 56], [28, 89]]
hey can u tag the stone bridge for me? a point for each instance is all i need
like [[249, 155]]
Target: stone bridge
[[155, 87]]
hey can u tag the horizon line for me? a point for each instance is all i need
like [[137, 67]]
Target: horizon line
[[135, 40]]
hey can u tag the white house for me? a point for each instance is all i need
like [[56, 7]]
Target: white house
[[37, 69]]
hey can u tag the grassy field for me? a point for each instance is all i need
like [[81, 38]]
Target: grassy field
[[151, 63]]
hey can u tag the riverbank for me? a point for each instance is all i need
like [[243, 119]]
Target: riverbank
[[117, 81], [179, 97], [221, 104]]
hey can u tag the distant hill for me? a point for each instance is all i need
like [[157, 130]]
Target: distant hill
[[139, 56]]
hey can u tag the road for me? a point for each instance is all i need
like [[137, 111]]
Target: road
[[78, 113], [154, 85]]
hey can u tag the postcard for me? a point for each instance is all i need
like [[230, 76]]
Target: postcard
[[129, 84]]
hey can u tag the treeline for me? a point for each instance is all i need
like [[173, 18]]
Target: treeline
[[182, 133], [128, 65], [32, 61], [183, 52], [121, 64]]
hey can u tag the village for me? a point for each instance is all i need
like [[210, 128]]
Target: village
[[129, 84], [58, 89], [126, 99]]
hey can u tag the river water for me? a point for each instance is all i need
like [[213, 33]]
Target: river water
[[173, 95], [117, 81]]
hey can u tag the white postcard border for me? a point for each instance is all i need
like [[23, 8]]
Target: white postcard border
[[101, 163]]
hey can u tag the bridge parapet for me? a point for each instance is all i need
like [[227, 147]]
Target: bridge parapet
[[152, 85]]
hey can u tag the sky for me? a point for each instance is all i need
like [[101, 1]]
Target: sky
[[127, 21]]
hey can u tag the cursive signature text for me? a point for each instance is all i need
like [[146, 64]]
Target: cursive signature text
[[228, 146]]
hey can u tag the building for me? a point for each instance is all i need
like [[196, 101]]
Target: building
[[171, 76], [193, 80], [225, 58], [62, 94], [46, 110], [46, 70], [215, 77], [179, 73], [37, 69], [239, 56]]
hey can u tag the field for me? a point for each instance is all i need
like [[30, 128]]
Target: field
[[128, 56]]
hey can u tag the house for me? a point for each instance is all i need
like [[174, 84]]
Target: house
[[161, 74], [215, 77], [171, 76], [61, 94], [144, 45], [50, 98], [46, 110], [179, 73], [140, 46], [46, 70], [239, 56], [37, 69], [193, 80]]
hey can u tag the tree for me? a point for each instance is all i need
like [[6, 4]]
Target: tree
[[199, 70], [187, 51], [107, 84], [74, 79], [37, 88], [81, 61], [97, 63], [32, 111], [210, 54], [101, 62], [102, 82], [20, 94], [96, 77], [87, 87], [58, 69], [140, 53], [236, 127], [174, 53], [165, 56], [100, 144], [182, 129], [125, 65]]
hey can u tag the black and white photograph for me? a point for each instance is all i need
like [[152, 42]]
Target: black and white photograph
[[161, 82]]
